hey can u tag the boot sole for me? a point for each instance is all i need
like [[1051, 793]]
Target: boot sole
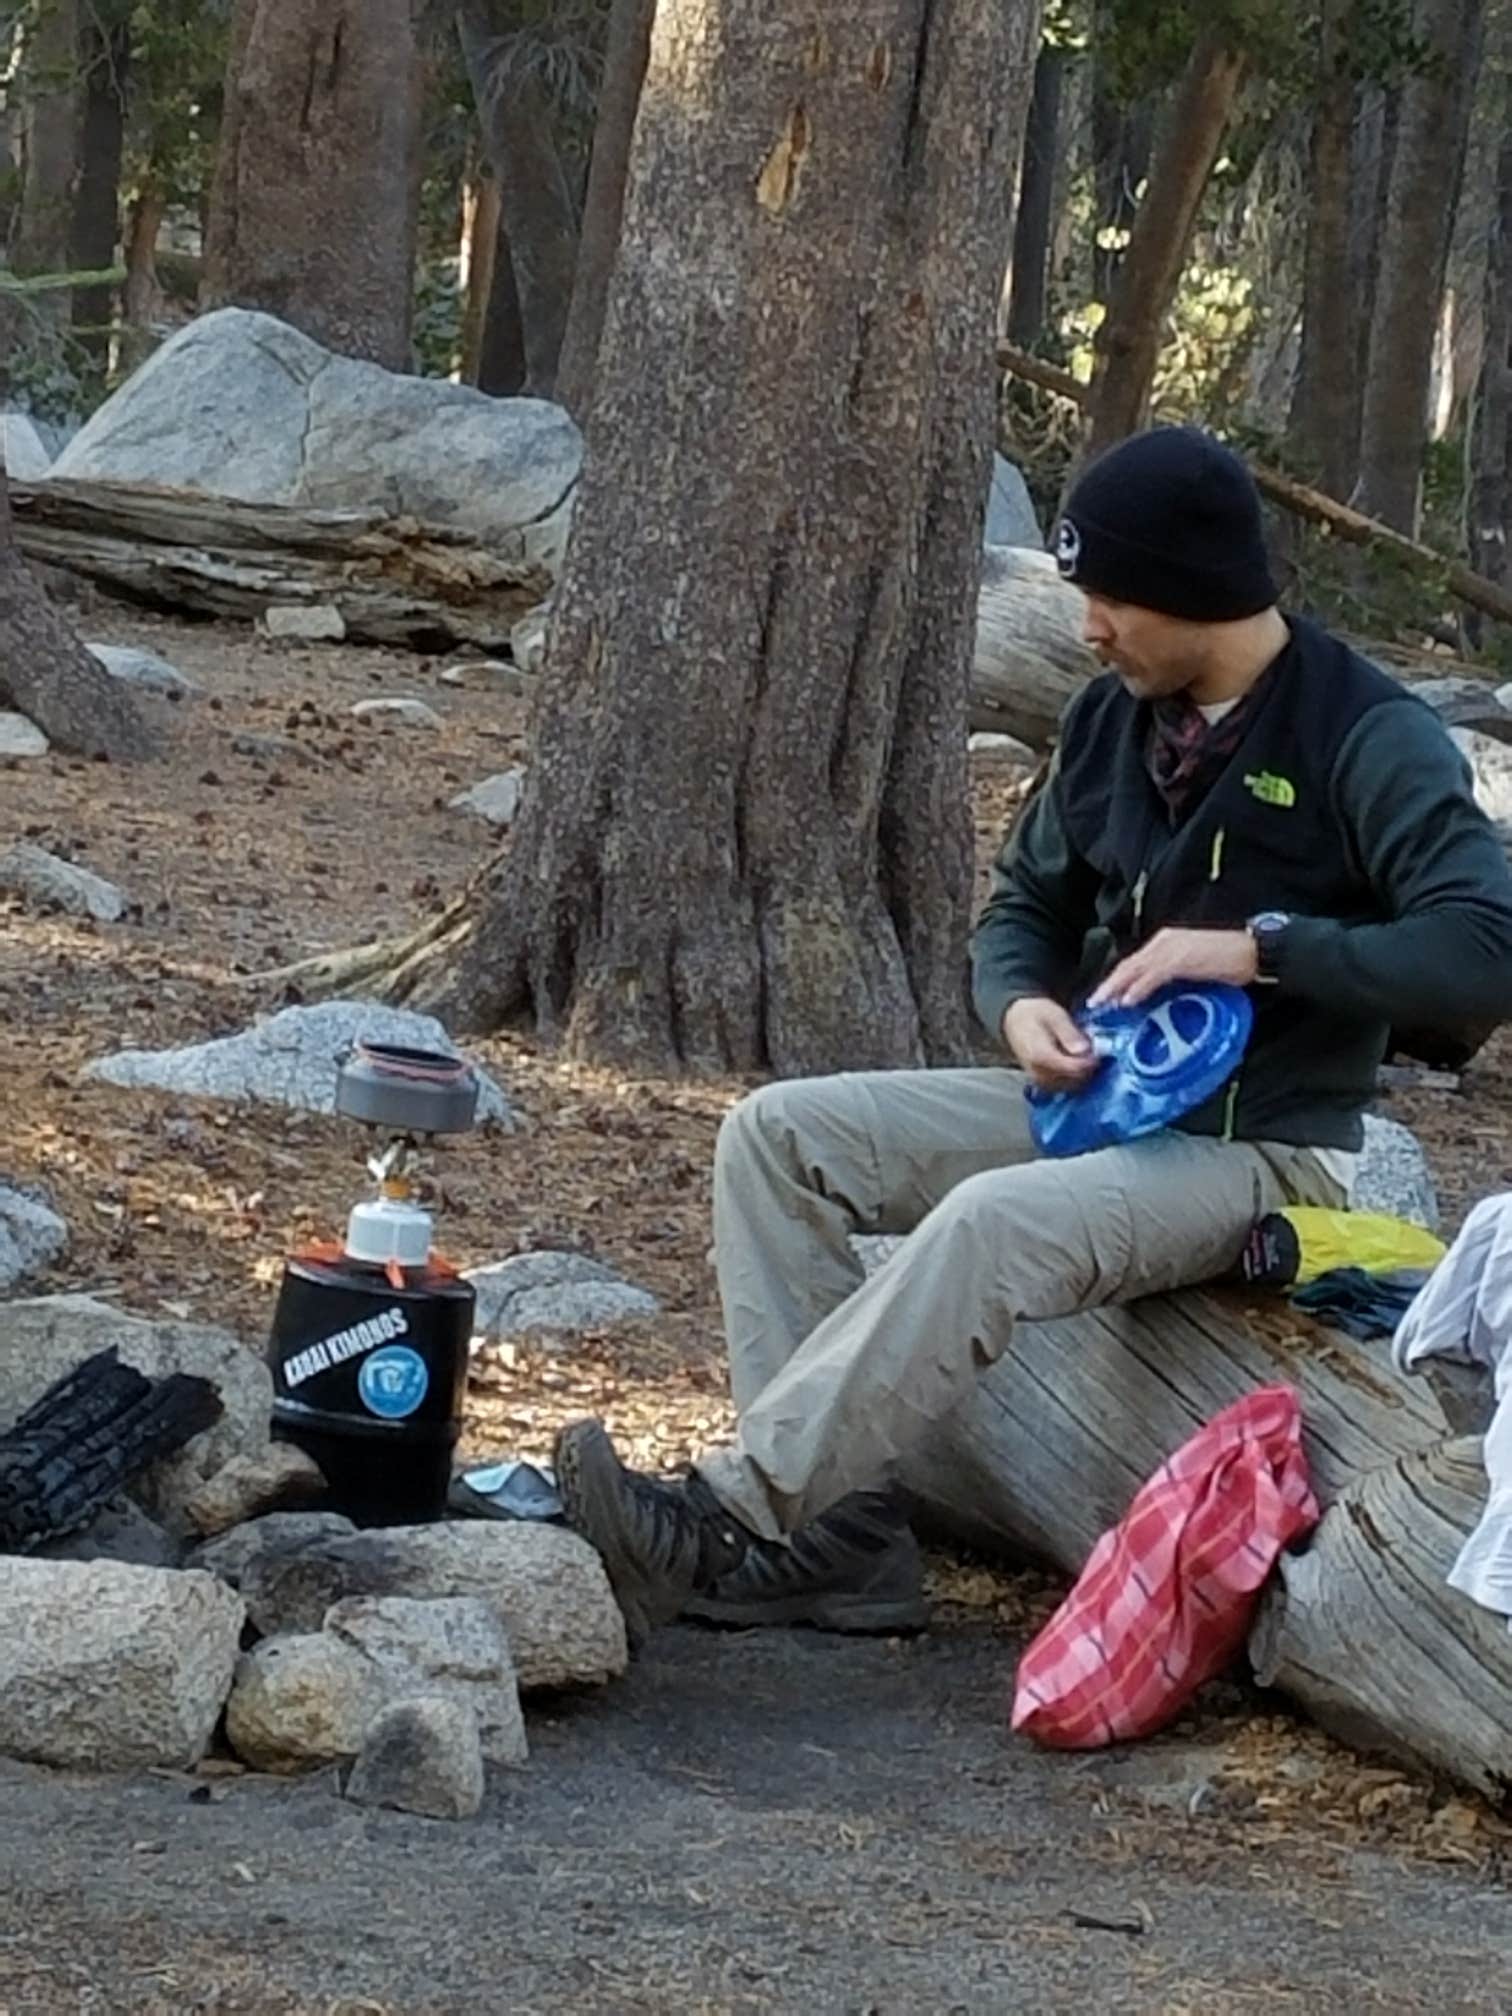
[[855, 1616]]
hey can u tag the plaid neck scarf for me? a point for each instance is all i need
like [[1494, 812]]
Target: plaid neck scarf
[[1188, 754]]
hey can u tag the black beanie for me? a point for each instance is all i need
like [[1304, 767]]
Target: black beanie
[[1169, 520]]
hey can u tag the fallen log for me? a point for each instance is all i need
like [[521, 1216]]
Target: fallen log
[[1302, 501], [1361, 1629], [1062, 1432], [1030, 659], [1364, 1632], [394, 580]]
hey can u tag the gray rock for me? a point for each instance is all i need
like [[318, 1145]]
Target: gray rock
[[1011, 519], [306, 622], [231, 1554], [105, 1667], [496, 799], [277, 749], [121, 1532], [300, 1702], [421, 1755], [307, 1698], [1392, 1175], [547, 1587], [32, 1236], [237, 404], [143, 668], [43, 1339], [1490, 764], [263, 1481], [1464, 703], [20, 737], [292, 1059], [405, 710], [553, 1291], [22, 449], [455, 1646], [46, 880], [1503, 696]]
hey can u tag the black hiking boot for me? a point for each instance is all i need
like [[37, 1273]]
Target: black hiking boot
[[659, 1541], [856, 1569]]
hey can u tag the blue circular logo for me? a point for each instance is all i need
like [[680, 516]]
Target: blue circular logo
[[393, 1382]]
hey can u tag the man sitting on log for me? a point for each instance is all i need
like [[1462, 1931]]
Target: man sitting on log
[[1240, 798]]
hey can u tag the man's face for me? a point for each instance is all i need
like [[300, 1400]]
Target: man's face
[[1155, 656]]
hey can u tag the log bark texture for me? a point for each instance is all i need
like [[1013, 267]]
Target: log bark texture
[[1064, 1430], [394, 581], [1030, 659], [1364, 1632], [776, 544]]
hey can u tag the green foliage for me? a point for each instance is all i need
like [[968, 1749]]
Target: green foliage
[[178, 68]]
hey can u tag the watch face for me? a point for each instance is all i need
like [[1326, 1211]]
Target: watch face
[[1270, 920]]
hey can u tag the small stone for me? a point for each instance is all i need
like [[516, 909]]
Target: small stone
[[32, 1236], [231, 1554], [276, 749], [20, 737], [421, 1755], [496, 799], [413, 713], [553, 1291], [48, 881], [143, 668], [315, 622], [1392, 1176], [107, 1667], [300, 1702], [273, 1479]]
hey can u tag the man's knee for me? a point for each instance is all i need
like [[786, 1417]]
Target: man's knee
[[777, 1118]]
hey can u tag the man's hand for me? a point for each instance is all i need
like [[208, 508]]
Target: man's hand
[[1180, 955], [1053, 1052]]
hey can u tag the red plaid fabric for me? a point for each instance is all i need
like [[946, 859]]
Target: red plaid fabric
[[1166, 1597]]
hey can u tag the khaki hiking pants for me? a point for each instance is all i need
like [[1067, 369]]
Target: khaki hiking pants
[[835, 1375]]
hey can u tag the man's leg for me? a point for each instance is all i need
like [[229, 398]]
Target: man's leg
[[1028, 1243], [802, 1165]]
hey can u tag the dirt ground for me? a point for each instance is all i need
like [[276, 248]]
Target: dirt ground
[[747, 1823]]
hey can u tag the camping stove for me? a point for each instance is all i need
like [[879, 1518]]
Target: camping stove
[[370, 1337]]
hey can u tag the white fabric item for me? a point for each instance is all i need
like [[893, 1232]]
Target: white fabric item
[[1340, 1165], [1215, 712], [1465, 1313]]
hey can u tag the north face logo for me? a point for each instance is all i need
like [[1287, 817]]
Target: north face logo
[[1068, 546], [1271, 789]]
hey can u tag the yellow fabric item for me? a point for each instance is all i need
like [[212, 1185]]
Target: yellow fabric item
[[1379, 1245]]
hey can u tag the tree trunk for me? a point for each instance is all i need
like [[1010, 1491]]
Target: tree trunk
[[1036, 216], [311, 214], [1324, 429], [625, 57], [1426, 169], [745, 841], [46, 674], [501, 360], [50, 146], [480, 244], [105, 55], [142, 301], [1128, 343], [540, 217]]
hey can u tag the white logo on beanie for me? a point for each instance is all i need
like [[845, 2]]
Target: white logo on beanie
[[1068, 546]]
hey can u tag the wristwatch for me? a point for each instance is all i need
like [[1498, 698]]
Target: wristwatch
[[1268, 930]]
